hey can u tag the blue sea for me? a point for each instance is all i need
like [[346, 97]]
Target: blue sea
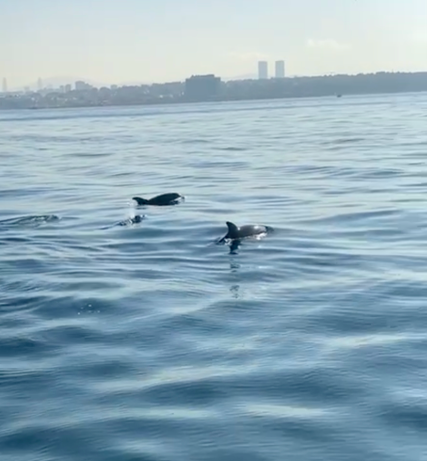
[[150, 342]]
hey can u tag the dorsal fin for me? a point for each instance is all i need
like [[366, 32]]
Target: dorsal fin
[[140, 201], [233, 230]]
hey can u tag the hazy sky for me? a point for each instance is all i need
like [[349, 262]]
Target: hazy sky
[[114, 41]]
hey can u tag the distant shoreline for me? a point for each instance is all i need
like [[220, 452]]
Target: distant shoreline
[[184, 102], [339, 86]]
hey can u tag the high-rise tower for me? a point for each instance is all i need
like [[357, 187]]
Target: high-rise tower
[[280, 69], [262, 69]]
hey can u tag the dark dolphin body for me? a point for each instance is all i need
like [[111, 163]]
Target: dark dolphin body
[[235, 234], [171, 198]]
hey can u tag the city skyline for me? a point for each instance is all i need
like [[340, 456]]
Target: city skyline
[[262, 73], [279, 72], [205, 88], [161, 42]]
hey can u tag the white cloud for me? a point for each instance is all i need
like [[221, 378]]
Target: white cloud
[[326, 44]]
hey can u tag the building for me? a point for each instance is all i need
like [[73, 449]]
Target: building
[[80, 85], [280, 69], [202, 87], [262, 69], [4, 87]]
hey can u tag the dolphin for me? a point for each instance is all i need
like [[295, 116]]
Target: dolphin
[[135, 220], [171, 198], [249, 230], [35, 220], [128, 222]]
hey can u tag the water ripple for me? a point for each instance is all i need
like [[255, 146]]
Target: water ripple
[[149, 342]]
